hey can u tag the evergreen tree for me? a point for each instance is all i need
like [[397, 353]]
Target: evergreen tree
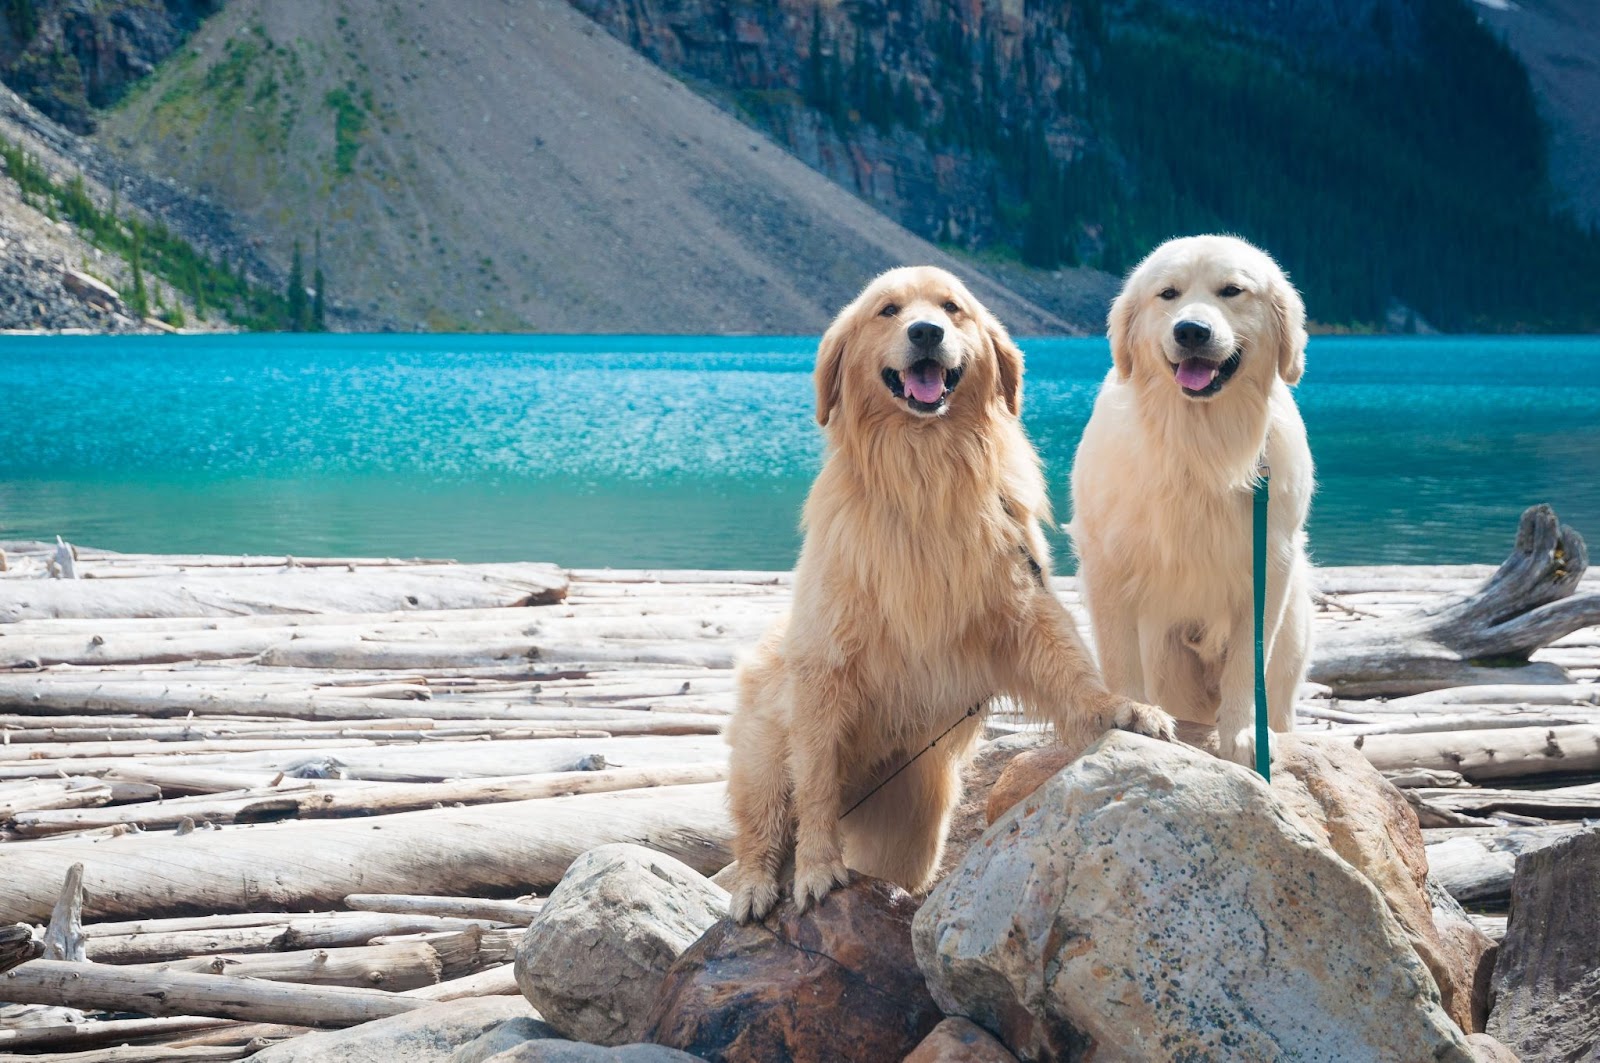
[[319, 320], [139, 302], [299, 309]]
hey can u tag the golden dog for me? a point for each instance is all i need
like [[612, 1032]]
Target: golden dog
[[921, 592], [1206, 339]]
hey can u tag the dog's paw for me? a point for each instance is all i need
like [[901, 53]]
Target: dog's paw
[[1145, 720], [1241, 746], [814, 880], [753, 897]]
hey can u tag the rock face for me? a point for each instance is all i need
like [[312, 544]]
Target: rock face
[[1546, 988], [1366, 820], [1153, 902], [834, 985], [427, 1035], [595, 955], [960, 1041], [508, 1035], [68, 56]]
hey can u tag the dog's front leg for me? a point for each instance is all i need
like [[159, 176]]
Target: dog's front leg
[[823, 712], [1056, 678], [1236, 715]]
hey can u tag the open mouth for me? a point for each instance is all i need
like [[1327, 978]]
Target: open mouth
[[1200, 378], [925, 384]]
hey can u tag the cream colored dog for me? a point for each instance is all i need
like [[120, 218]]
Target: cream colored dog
[[1206, 339], [921, 592]]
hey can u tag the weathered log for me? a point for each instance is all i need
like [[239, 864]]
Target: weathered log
[[149, 1054], [1475, 866], [496, 982], [76, 1036], [52, 794], [1564, 802], [1498, 694], [492, 850], [104, 987], [323, 591], [17, 945], [394, 966], [1505, 753], [1483, 637], [516, 912], [1432, 724], [159, 940], [63, 938]]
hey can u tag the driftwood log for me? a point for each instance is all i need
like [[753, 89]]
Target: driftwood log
[[17, 945], [157, 993], [503, 850], [1483, 637]]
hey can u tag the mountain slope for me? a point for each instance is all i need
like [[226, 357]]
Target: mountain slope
[[1387, 151], [507, 167], [1559, 42]]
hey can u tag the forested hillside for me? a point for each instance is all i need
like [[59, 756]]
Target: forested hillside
[[1389, 153]]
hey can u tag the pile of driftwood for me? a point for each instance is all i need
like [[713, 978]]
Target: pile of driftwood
[[345, 782]]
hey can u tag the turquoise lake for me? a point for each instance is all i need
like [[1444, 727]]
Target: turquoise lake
[[691, 451]]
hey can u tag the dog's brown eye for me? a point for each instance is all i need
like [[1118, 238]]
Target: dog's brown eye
[[1169, 293], [951, 308], [1230, 291], [889, 311]]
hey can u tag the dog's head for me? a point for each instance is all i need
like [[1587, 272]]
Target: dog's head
[[915, 344], [1202, 314]]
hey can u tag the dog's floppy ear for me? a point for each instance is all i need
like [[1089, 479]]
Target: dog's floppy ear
[[830, 364], [1118, 324], [1290, 313], [1009, 357]]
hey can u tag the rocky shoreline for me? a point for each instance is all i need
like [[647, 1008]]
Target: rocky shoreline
[[423, 811]]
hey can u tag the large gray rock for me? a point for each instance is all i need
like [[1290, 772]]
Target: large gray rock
[[596, 954], [1153, 902], [1546, 987], [427, 1035], [502, 1038]]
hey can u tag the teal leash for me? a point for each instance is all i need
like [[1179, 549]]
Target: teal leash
[[1263, 740]]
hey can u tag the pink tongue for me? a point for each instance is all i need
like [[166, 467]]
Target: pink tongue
[[925, 385], [1196, 374]]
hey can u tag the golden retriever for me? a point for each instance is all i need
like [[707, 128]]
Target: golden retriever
[[921, 591], [1207, 337]]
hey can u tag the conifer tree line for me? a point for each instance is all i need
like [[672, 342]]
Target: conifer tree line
[[1420, 181]]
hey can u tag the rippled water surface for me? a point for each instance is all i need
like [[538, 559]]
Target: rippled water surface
[[690, 451]]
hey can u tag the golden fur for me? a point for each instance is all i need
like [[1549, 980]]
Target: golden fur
[[1162, 493], [914, 600]]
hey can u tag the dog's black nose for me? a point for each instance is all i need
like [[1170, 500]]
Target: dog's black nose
[[1191, 333], [925, 334]]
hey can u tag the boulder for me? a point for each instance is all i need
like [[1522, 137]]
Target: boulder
[[978, 780], [502, 1038], [1024, 774], [1151, 901], [427, 1035], [1488, 1050], [1466, 948], [558, 1051], [960, 1041], [1367, 820], [594, 957], [835, 984], [1546, 987]]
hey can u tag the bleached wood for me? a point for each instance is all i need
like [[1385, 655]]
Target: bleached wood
[[52, 793], [516, 912], [63, 938], [392, 966], [18, 945], [76, 1036], [102, 986], [366, 590], [1483, 755], [1485, 636], [480, 851], [158, 940]]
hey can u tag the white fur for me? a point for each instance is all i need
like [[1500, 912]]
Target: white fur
[[1162, 494]]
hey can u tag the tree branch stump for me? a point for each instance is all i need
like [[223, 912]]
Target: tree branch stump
[[1487, 636]]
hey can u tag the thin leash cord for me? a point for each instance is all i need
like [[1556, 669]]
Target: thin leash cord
[[1259, 559], [969, 714]]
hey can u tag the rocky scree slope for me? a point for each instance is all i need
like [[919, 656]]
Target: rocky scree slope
[[509, 166]]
